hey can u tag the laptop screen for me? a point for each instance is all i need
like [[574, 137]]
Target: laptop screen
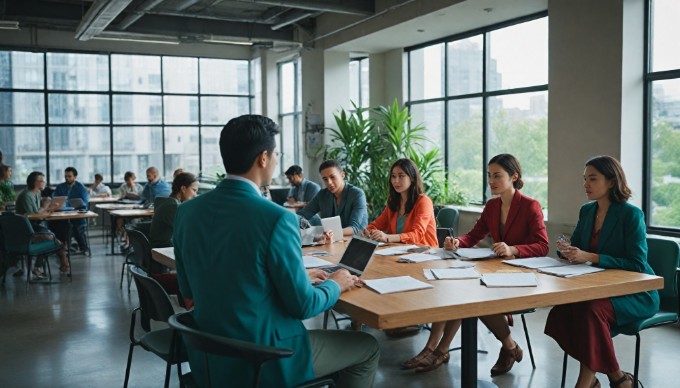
[[358, 253]]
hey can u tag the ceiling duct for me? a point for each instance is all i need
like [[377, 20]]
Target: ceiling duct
[[99, 16]]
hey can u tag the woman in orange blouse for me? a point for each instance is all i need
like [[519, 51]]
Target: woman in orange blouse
[[409, 215]]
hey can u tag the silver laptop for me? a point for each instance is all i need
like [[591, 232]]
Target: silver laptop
[[356, 257], [307, 235], [56, 204]]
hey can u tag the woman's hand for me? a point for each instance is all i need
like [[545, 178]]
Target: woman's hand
[[451, 243], [577, 256], [502, 249], [378, 235]]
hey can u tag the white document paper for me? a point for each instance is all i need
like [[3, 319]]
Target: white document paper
[[537, 262], [397, 250], [454, 273], [395, 284], [570, 270], [510, 279], [427, 273], [334, 224], [417, 258], [474, 253], [315, 262], [460, 264], [441, 252]]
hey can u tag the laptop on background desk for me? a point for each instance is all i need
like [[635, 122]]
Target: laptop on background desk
[[56, 204], [356, 257]]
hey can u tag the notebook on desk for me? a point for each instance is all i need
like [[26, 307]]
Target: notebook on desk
[[356, 257]]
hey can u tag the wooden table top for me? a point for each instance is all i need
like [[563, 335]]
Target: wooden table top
[[70, 215], [457, 299], [132, 213], [117, 206], [98, 200]]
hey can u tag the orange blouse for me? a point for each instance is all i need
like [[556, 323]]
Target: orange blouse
[[419, 228]]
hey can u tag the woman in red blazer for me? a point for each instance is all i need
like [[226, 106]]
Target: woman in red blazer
[[409, 215], [515, 223]]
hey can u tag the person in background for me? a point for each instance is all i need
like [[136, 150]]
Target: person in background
[[71, 189], [515, 223], [610, 233], [156, 187], [7, 193], [98, 188], [28, 202], [302, 190], [265, 298], [130, 189], [339, 198], [177, 172], [184, 188]]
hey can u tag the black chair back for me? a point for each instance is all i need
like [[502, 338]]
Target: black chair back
[[153, 299], [142, 252], [208, 343]]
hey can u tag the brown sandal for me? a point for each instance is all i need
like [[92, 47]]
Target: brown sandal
[[415, 361], [626, 377], [433, 361]]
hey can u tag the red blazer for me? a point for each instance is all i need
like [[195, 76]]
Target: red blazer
[[419, 227], [524, 228]]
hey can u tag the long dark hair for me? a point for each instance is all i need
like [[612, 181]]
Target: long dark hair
[[414, 191], [184, 179], [613, 171], [511, 165]]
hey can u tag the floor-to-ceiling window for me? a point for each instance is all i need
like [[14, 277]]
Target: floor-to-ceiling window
[[290, 114], [662, 89], [112, 113], [483, 93], [358, 82]]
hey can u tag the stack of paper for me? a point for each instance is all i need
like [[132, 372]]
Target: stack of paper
[[510, 279], [417, 258], [474, 253], [398, 250], [396, 284], [568, 271], [450, 273], [441, 252], [537, 262], [315, 262], [460, 264]]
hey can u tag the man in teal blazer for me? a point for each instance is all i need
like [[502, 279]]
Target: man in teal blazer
[[239, 259]]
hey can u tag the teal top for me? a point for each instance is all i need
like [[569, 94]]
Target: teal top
[[622, 245], [28, 202], [401, 220], [238, 257]]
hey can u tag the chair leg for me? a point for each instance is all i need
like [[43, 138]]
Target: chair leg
[[168, 367], [526, 335], [637, 360], [325, 319], [28, 272], [129, 363], [564, 370]]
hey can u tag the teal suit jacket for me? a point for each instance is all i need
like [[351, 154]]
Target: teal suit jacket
[[238, 256], [623, 245]]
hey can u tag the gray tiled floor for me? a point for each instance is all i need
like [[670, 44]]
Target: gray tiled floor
[[76, 334]]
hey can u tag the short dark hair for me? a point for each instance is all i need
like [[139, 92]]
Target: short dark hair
[[128, 175], [414, 191], [98, 177], [613, 171], [245, 137], [511, 165], [183, 179], [71, 169], [294, 170], [330, 163], [32, 178]]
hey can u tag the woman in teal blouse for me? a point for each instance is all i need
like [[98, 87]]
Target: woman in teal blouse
[[610, 233]]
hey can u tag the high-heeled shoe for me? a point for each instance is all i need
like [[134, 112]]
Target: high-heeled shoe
[[506, 359], [415, 361], [38, 274], [433, 361], [626, 377]]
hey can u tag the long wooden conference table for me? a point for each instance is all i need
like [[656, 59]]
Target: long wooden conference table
[[463, 299]]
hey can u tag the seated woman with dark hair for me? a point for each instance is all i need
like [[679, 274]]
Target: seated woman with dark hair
[[184, 188], [28, 202]]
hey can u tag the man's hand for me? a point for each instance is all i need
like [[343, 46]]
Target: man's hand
[[317, 275], [345, 280], [451, 243]]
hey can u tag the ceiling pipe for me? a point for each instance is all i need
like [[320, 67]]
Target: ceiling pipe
[[100, 14], [291, 18], [315, 5], [138, 13]]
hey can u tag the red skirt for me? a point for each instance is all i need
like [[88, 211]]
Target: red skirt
[[583, 331]]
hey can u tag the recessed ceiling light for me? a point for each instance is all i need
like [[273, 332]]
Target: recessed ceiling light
[[420, 30]]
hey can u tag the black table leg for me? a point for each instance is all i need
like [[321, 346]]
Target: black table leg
[[468, 361]]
